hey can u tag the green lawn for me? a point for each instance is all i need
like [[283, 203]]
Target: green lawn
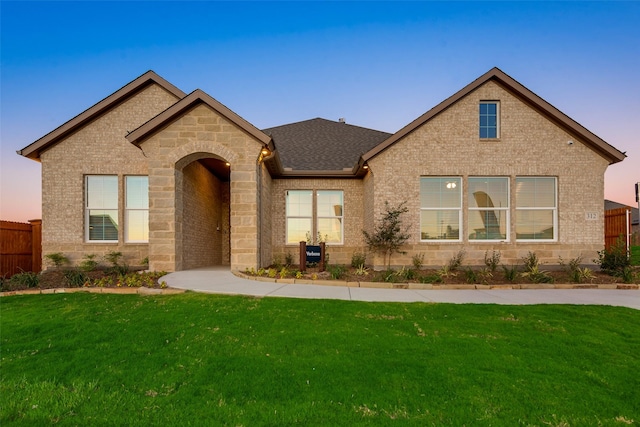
[[635, 255], [195, 359]]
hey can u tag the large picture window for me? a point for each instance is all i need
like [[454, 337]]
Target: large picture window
[[101, 209], [488, 201], [536, 209], [137, 209], [306, 218], [440, 208]]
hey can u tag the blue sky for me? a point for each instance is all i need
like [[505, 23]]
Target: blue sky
[[378, 64]]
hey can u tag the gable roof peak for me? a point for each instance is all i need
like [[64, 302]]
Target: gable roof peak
[[34, 149]]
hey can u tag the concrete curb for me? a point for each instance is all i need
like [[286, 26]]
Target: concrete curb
[[436, 286], [122, 291]]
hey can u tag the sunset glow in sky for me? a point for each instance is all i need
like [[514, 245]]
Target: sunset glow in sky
[[380, 65]]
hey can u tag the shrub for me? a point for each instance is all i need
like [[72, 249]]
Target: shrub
[[27, 279], [418, 260], [456, 261], [75, 278], [575, 272], [358, 259], [58, 259], [288, 259], [337, 271], [492, 261], [361, 270], [614, 260], [530, 261], [470, 275], [431, 278], [89, 263], [388, 235], [510, 273], [406, 273]]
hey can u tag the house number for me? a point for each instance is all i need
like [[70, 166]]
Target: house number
[[591, 216]]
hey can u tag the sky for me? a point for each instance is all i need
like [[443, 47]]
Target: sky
[[377, 64]]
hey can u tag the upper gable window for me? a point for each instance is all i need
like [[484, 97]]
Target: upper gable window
[[489, 113]]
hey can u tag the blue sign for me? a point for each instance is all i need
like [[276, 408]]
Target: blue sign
[[313, 253]]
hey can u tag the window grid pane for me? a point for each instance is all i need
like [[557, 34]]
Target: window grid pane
[[101, 211], [488, 200], [441, 208], [536, 208], [136, 221], [488, 120]]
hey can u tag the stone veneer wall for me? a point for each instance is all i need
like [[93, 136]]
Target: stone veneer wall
[[205, 230], [529, 145], [353, 216], [266, 217], [199, 133], [99, 148]]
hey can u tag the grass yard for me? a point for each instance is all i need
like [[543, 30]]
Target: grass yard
[[195, 359], [635, 255]]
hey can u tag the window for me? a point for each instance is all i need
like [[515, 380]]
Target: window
[[440, 208], [299, 215], [101, 210], [536, 209], [488, 201], [136, 209], [489, 119], [306, 218], [330, 219]]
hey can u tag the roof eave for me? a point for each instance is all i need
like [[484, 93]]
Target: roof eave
[[34, 149], [600, 146], [190, 101]]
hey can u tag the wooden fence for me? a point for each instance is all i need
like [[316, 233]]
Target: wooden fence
[[20, 247], [615, 225]]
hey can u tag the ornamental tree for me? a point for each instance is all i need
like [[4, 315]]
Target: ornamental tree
[[388, 235]]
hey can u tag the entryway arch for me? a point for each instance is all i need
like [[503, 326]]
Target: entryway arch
[[202, 181]]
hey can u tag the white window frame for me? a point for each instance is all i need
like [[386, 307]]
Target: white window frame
[[88, 209], [287, 216], [506, 210], [554, 210], [128, 210], [314, 217], [317, 217], [459, 209]]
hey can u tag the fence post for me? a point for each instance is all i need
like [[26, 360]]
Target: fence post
[[36, 245], [303, 256], [322, 249]]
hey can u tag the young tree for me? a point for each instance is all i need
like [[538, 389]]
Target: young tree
[[388, 235]]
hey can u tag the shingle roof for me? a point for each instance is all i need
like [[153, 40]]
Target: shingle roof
[[322, 145]]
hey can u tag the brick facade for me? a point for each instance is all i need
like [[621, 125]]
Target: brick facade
[[529, 145], [197, 219], [99, 148]]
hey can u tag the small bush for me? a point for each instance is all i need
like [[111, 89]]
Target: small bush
[[58, 259], [283, 272], [575, 272], [337, 271], [470, 275], [145, 262], [431, 278], [361, 270], [510, 273], [456, 261], [113, 258], [418, 260], [530, 261], [358, 259], [288, 259], [492, 261], [89, 263], [406, 273], [614, 260], [27, 279], [74, 278]]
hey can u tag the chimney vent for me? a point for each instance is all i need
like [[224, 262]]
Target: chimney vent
[[341, 120]]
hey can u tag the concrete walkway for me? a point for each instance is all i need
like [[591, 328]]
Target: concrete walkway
[[219, 280]]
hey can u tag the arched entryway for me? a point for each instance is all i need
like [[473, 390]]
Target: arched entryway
[[202, 211]]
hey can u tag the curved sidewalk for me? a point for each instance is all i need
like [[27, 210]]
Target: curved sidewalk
[[219, 280]]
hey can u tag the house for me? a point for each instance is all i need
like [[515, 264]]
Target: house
[[151, 171]]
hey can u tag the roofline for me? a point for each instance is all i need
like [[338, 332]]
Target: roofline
[[196, 97], [317, 174], [34, 149], [603, 148]]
